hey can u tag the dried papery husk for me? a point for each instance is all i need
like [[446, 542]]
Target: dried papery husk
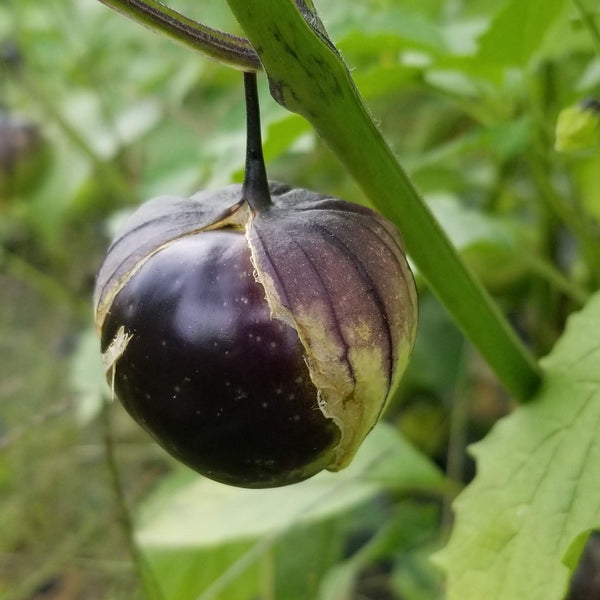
[[337, 273]]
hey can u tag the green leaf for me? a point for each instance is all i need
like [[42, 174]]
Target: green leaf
[[190, 518], [587, 177], [84, 112], [518, 30], [358, 28], [536, 490], [185, 573], [207, 513], [87, 378], [401, 538], [416, 578], [577, 128], [490, 244]]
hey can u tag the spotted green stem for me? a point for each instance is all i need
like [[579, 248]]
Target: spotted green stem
[[223, 47]]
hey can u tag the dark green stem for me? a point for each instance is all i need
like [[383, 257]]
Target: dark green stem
[[256, 187], [223, 47]]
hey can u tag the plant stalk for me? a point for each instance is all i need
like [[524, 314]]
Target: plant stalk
[[223, 47]]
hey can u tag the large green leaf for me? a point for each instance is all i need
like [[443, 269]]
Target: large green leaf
[[536, 493], [353, 24], [208, 513], [518, 30], [87, 376], [192, 522]]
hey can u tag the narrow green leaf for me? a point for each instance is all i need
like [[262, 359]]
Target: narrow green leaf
[[536, 491]]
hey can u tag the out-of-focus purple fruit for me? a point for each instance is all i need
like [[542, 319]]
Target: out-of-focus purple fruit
[[24, 156]]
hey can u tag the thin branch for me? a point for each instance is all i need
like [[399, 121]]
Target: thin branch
[[223, 47], [143, 570], [457, 434], [554, 277]]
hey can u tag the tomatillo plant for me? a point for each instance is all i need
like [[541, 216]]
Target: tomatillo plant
[[256, 331], [308, 76]]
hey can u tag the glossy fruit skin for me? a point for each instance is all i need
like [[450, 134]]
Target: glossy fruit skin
[[216, 381]]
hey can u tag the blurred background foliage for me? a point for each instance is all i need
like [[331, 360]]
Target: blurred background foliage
[[98, 114]]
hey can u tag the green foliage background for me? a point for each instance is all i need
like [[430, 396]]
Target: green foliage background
[[468, 94]]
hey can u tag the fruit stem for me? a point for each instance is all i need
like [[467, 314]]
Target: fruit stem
[[256, 187]]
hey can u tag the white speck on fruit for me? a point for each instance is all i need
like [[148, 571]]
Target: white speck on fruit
[[240, 394]]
